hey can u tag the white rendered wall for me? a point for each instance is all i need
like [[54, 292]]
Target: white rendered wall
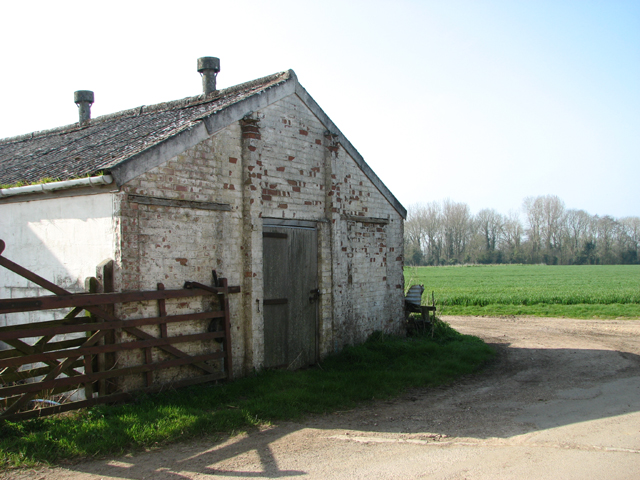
[[60, 239]]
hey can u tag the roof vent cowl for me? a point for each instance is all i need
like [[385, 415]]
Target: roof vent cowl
[[208, 68], [84, 100]]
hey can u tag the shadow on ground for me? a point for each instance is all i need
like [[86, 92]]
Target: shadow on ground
[[524, 390]]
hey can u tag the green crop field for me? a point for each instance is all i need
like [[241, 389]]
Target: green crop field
[[581, 291]]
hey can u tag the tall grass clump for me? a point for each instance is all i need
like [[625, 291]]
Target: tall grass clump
[[381, 367]]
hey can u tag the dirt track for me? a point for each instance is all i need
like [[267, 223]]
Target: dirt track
[[562, 401]]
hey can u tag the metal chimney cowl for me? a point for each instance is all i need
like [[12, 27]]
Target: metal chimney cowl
[[83, 99], [208, 68]]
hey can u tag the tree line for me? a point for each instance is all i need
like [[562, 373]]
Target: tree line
[[446, 233]]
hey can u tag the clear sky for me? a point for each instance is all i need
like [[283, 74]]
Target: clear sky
[[483, 102]]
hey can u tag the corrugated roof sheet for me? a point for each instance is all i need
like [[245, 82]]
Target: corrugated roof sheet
[[75, 151]]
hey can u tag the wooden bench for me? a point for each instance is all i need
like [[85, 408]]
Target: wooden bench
[[413, 303]]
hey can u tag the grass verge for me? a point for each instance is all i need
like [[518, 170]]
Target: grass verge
[[380, 368]]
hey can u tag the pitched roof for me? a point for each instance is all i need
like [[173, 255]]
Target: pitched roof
[[75, 151], [131, 142]]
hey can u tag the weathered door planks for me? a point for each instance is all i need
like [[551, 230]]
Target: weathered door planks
[[290, 276]]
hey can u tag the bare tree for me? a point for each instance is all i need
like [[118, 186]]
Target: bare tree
[[534, 213], [456, 219], [414, 235], [553, 212], [630, 239], [489, 226], [512, 233], [434, 228], [607, 228], [423, 231], [577, 224], [545, 215]]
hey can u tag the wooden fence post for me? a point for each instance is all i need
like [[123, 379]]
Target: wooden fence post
[[106, 361]]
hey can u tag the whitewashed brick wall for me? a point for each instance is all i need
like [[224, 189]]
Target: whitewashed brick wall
[[277, 163]]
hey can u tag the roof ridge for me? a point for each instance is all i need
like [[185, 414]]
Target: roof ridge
[[158, 107], [201, 99]]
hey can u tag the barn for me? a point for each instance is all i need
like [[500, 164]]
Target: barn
[[253, 181]]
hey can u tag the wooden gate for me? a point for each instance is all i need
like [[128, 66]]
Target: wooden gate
[[290, 276], [34, 374]]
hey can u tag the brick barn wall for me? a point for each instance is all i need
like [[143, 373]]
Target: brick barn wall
[[302, 173], [368, 280], [278, 163], [171, 245]]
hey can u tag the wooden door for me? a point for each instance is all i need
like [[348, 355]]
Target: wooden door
[[290, 275]]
